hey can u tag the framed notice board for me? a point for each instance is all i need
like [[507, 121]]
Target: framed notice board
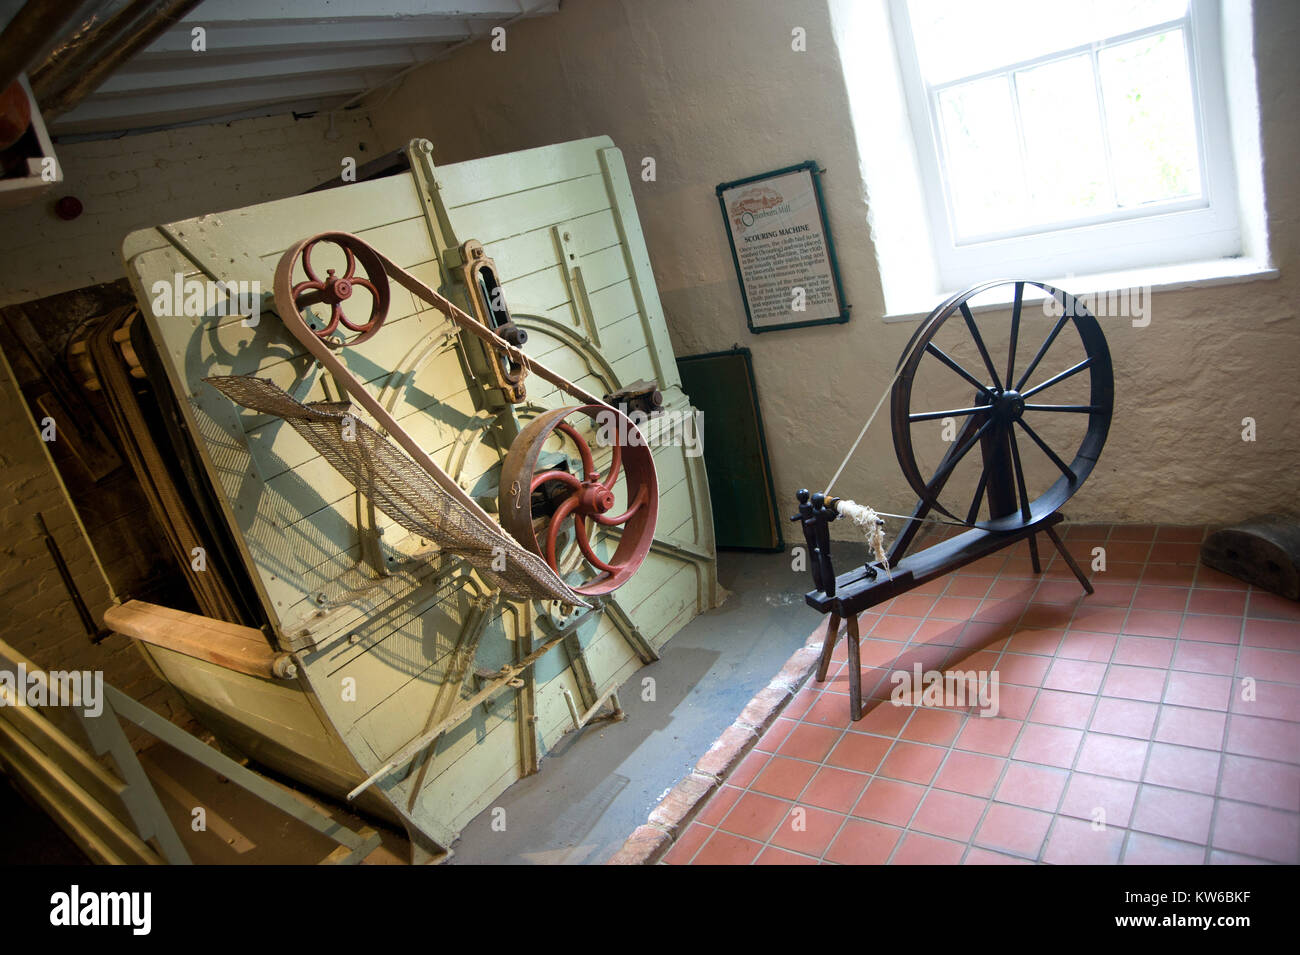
[[782, 249], [721, 385]]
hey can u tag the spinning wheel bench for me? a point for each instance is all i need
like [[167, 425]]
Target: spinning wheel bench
[[998, 411]]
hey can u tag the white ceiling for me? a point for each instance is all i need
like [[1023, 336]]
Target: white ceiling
[[273, 56]]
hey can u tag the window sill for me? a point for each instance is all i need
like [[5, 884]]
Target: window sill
[[1164, 278]]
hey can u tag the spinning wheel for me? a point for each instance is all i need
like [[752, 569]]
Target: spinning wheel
[[535, 505], [1003, 413], [1011, 501], [333, 290]]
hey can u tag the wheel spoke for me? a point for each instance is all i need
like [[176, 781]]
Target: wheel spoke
[[585, 546], [1058, 378], [979, 497], [953, 413], [1078, 409], [1020, 476], [588, 465], [979, 343], [616, 460], [1042, 349], [567, 506], [947, 466], [1015, 331], [938, 353], [1065, 468], [626, 515], [562, 476]]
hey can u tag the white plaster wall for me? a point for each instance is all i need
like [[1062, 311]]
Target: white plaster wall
[[712, 90]]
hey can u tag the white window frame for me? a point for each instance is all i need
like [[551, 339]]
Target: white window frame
[[1179, 231]]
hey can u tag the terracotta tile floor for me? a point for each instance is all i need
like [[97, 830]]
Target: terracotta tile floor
[[1132, 708]]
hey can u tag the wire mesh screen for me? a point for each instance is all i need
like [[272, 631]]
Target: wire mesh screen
[[402, 489]]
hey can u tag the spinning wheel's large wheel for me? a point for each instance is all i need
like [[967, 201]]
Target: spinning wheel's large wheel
[[535, 505], [332, 289], [1007, 408]]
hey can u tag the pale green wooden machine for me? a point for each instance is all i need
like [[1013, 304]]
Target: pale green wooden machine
[[388, 667]]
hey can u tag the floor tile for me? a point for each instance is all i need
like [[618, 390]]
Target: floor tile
[[889, 801], [687, 844], [1146, 849], [1261, 781], [1099, 799], [724, 848], [1257, 831], [808, 830], [1032, 786], [1052, 745], [971, 773], [809, 742], [1191, 727], [1179, 767], [1116, 756], [1173, 814], [1059, 708], [1117, 717], [1013, 829], [912, 762], [948, 814], [755, 816], [918, 849], [1075, 842], [859, 752], [784, 778], [833, 788], [863, 843]]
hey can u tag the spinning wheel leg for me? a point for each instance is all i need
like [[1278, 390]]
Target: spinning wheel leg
[[855, 671], [1033, 554], [828, 646], [1068, 558]]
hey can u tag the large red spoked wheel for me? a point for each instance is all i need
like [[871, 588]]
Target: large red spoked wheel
[[333, 289], [537, 505]]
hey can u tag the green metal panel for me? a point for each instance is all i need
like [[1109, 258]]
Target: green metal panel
[[721, 384], [376, 651]]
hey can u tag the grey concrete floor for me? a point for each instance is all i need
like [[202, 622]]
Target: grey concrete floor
[[598, 784]]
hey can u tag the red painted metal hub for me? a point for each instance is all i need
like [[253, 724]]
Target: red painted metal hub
[[586, 500], [334, 289]]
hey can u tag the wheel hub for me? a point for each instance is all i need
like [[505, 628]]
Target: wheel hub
[[1009, 405]]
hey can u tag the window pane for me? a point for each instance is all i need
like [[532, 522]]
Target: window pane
[[1147, 94], [956, 38], [985, 176], [1064, 150]]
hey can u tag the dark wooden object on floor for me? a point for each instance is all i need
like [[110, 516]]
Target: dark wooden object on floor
[[1264, 552]]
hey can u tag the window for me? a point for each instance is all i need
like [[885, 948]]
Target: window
[[1073, 137]]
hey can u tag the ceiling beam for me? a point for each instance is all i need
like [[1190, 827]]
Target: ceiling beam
[[234, 71], [237, 40], [254, 12]]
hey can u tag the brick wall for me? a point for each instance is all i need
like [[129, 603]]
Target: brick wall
[[138, 181], [124, 184]]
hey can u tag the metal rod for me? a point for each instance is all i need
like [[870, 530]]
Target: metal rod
[[150, 25], [33, 28], [95, 633]]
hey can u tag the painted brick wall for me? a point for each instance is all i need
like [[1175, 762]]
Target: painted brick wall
[[124, 184]]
